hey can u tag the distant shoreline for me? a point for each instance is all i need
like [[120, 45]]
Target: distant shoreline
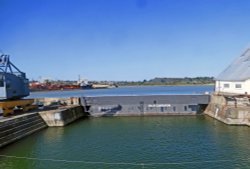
[[158, 81], [209, 84]]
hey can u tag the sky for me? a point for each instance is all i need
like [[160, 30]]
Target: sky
[[123, 39]]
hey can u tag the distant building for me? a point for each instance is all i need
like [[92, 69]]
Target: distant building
[[235, 79]]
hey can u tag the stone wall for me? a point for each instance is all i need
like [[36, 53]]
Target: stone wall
[[230, 110]]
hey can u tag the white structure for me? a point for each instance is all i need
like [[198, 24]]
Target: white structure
[[235, 79]]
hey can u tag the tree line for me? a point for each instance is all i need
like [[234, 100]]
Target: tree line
[[170, 81]]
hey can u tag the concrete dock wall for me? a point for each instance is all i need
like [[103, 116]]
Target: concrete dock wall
[[230, 110], [15, 128], [62, 116]]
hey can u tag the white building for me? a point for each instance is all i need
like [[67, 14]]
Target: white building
[[235, 79]]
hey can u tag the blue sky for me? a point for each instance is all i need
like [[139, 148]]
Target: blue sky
[[123, 39]]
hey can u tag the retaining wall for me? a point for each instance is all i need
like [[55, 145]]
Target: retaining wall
[[62, 116], [229, 110], [15, 128]]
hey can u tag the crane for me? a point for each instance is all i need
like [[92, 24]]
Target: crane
[[13, 87]]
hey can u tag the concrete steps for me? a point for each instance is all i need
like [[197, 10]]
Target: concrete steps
[[13, 129]]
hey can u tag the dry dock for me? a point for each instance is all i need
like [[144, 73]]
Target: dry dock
[[60, 112]]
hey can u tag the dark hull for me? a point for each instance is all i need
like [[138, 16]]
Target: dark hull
[[87, 87], [145, 105]]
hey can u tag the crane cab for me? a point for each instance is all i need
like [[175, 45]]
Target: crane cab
[[13, 82], [13, 87]]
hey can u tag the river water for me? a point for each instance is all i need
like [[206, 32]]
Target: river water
[[174, 142], [121, 91]]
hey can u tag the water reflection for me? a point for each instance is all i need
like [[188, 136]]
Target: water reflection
[[53, 135], [137, 139]]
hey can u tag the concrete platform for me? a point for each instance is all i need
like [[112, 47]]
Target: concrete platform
[[62, 116]]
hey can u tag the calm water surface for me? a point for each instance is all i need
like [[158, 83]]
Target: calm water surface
[[140, 90], [134, 142], [175, 142]]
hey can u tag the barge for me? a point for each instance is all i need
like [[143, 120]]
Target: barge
[[145, 105]]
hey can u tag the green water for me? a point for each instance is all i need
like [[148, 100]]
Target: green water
[[133, 142]]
